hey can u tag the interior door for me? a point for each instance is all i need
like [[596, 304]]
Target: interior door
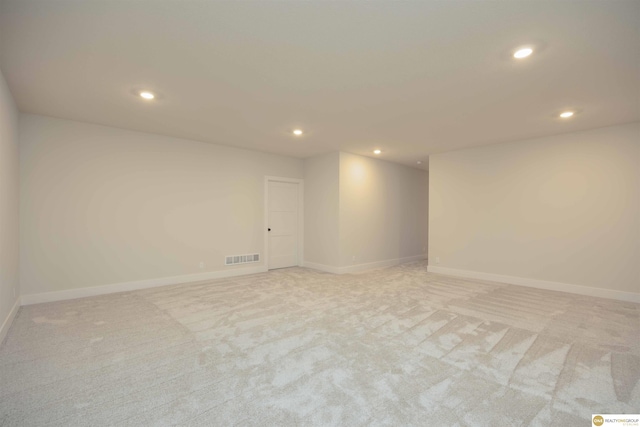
[[283, 224]]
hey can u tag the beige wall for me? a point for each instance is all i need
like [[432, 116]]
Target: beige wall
[[321, 209], [562, 209], [383, 210], [101, 205], [9, 291]]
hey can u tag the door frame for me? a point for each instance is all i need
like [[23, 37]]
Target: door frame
[[300, 182]]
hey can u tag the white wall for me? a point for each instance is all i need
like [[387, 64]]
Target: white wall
[[383, 210], [9, 176], [363, 213], [321, 209], [561, 209], [103, 206]]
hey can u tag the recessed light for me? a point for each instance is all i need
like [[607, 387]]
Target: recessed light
[[566, 114], [419, 162], [377, 151], [297, 132], [147, 95], [523, 53]]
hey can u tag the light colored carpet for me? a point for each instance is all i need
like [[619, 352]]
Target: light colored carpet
[[397, 346]]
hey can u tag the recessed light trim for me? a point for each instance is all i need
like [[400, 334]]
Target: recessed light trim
[[147, 95], [567, 114], [523, 53], [298, 132], [377, 151]]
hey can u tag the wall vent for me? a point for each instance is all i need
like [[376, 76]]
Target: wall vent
[[241, 259]]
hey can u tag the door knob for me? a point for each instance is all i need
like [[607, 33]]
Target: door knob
[[268, 229]]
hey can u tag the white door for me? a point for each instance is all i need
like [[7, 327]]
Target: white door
[[283, 224]]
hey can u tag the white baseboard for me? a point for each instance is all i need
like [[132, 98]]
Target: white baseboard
[[380, 264], [9, 320], [357, 268], [540, 284], [135, 285], [322, 267]]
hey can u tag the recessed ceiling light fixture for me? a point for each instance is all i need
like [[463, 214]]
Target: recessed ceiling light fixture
[[377, 151], [297, 132], [566, 114], [147, 95], [523, 53], [419, 162]]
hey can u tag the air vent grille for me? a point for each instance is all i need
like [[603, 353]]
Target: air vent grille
[[241, 259]]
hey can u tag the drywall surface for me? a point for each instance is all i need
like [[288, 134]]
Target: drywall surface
[[101, 205], [321, 209], [9, 217], [563, 209], [383, 210]]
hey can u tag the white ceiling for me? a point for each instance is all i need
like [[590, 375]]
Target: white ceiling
[[410, 78]]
